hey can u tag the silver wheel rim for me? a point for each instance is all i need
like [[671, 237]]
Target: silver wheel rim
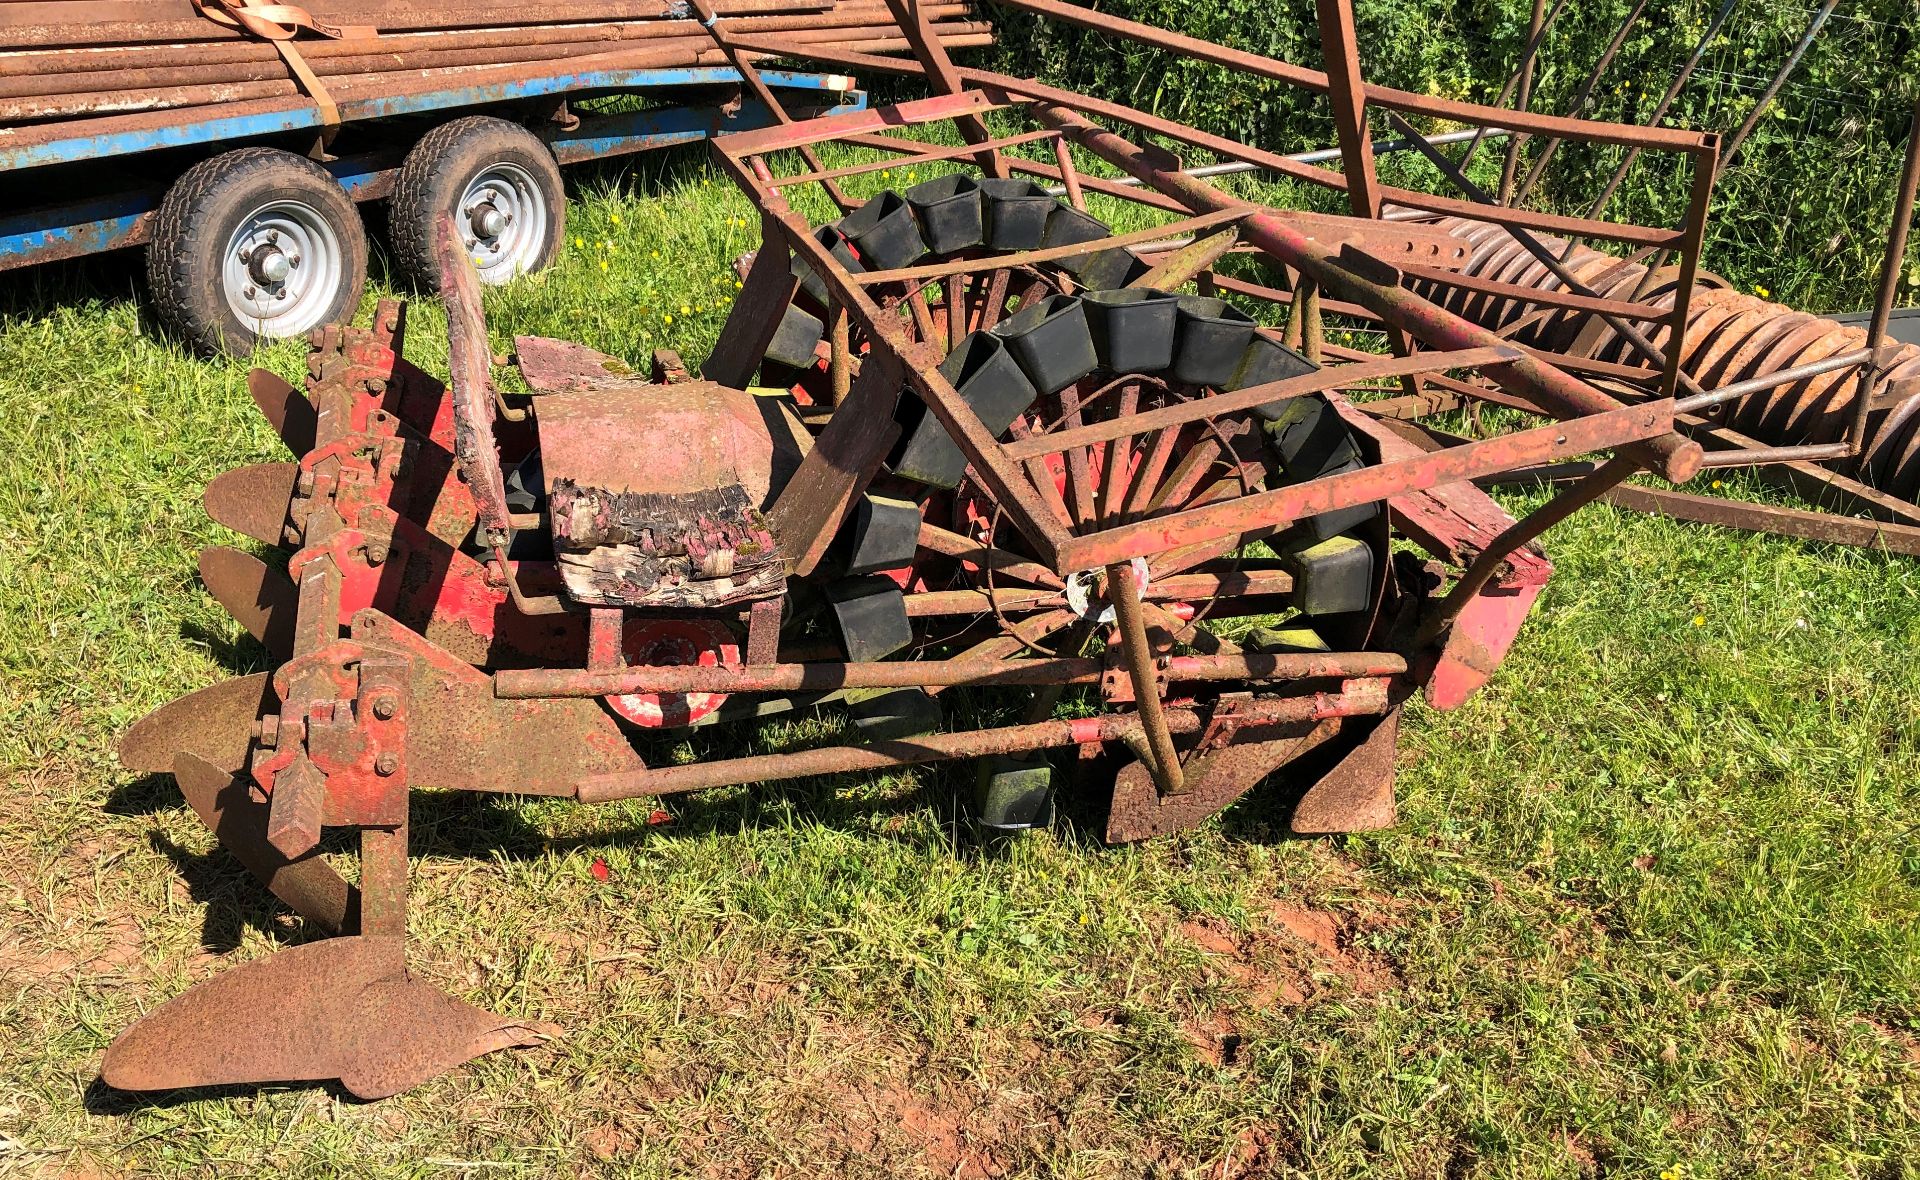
[[282, 269], [503, 221]]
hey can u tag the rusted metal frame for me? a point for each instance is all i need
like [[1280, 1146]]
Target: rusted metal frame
[[1545, 298], [920, 360], [1699, 208], [766, 140], [1345, 86], [1633, 374], [920, 149], [1288, 299], [1892, 263], [555, 683], [1812, 482], [1739, 138], [1265, 512], [1079, 469], [1012, 89], [1660, 108], [1359, 697], [1522, 532], [710, 20], [1523, 98], [1243, 400], [1341, 49], [1553, 389], [1691, 241], [1770, 518], [1136, 651], [1446, 394], [962, 266], [1560, 224], [932, 153], [932, 54], [1582, 96], [1623, 134]]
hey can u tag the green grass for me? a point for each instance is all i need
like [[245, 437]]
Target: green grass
[[1650, 910]]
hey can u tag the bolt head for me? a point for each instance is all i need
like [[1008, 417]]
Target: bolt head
[[386, 764], [385, 706]]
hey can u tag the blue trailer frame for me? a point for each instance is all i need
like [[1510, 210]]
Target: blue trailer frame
[[111, 218]]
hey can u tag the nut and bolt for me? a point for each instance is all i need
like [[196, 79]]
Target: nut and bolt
[[385, 706], [386, 764], [266, 731]]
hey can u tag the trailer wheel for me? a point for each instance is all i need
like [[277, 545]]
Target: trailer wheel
[[502, 186], [251, 245]]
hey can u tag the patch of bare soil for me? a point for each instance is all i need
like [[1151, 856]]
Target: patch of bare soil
[[1281, 963], [953, 1131], [59, 929]]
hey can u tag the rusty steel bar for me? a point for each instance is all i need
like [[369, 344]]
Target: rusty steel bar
[[1520, 533], [1786, 70], [1581, 98], [1010, 90], [1123, 591], [1341, 50], [1740, 389], [1763, 455], [1240, 585], [1666, 101], [1240, 400], [1536, 25], [544, 683], [1555, 391], [1357, 698], [1892, 263], [1263, 513]]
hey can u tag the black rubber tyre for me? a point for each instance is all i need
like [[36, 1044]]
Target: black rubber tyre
[[190, 273], [463, 168]]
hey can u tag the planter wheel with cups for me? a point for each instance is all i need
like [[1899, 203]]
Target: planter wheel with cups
[[1042, 348]]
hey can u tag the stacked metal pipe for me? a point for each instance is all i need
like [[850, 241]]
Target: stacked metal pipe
[[78, 59], [1730, 337]]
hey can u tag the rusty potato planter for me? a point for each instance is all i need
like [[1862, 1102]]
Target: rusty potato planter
[[962, 438]]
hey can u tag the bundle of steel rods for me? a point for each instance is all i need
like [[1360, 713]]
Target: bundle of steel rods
[[155, 55]]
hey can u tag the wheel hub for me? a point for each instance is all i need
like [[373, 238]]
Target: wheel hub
[[487, 221]]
